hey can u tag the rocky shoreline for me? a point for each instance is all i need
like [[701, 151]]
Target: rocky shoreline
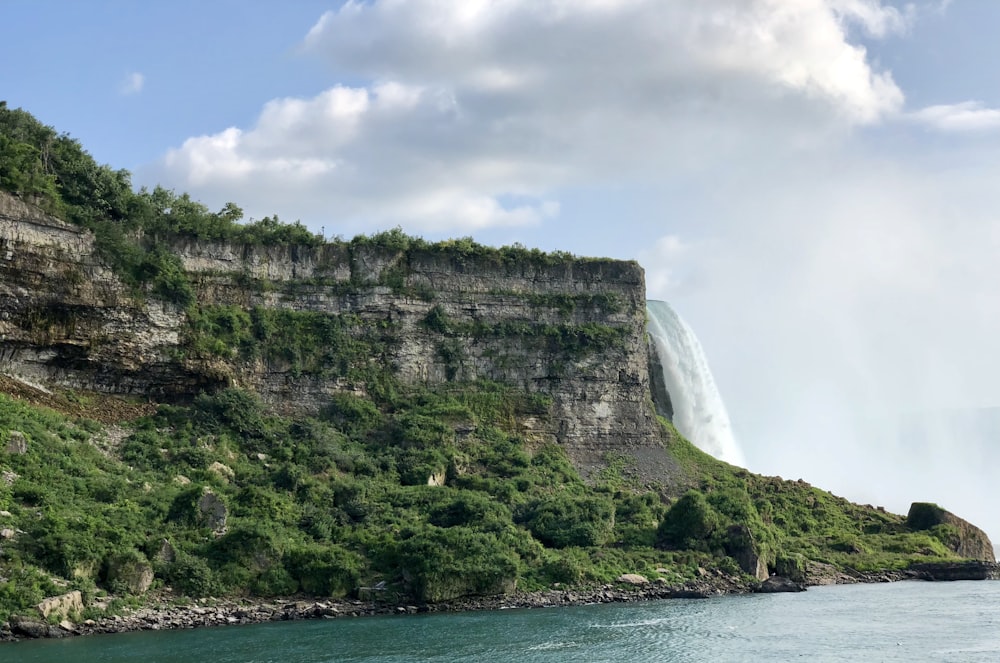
[[165, 614]]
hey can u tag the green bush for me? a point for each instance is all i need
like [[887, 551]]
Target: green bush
[[354, 415], [325, 570], [924, 516], [250, 544], [192, 576], [184, 507], [22, 588], [637, 518], [690, 523], [470, 509], [437, 320], [568, 567], [438, 564], [237, 410], [165, 273], [563, 520], [64, 545]]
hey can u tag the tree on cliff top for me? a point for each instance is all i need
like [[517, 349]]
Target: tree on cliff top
[[53, 171]]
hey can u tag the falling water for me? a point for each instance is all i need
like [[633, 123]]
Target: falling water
[[699, 413]]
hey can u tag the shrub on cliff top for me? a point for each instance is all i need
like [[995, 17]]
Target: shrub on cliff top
[[924, 515]]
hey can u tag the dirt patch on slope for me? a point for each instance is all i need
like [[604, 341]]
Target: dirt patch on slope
[[104, 408]]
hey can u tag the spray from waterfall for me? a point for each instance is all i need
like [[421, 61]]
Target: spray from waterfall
[[698, 411]]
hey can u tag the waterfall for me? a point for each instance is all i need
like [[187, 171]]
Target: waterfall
[[698, 411]]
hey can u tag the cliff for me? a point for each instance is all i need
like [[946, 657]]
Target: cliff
[[961, 536], [66, 318], [572, 330], [217, 408]]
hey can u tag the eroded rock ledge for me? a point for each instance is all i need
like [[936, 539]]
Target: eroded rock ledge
[[970, 570]]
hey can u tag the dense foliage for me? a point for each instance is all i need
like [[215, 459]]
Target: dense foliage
[[331, 504], [323, 505]]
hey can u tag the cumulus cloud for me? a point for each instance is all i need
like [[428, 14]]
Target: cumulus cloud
[[132, 83], [382, 153], [465, 107], [616, 52]]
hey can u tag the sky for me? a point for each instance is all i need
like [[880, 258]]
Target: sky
[[809, 183]]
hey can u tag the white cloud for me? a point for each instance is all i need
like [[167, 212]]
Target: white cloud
[[378, 153], [623, 46], [662, 261], [965, 116], [941, 6], [132, 83], [471, 104]]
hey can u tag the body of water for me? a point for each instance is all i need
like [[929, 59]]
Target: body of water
[[906, 621]]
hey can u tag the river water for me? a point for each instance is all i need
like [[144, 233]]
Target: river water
[[905, 621]]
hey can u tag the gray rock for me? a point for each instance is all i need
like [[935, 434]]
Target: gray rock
[[65, 606], [17, 443], [213, 511], [31, 628], [134, 573], [222, 471], [166, 553], [969, 570], [741, 546], [777, 584], [632, 579]]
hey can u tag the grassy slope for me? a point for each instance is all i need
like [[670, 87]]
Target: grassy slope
[[326, 505], [796, 521]]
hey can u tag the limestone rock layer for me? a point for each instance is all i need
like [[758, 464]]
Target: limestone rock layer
[[572, 330]]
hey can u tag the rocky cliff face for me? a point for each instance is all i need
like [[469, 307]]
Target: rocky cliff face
[[67, 319], [572, 330], [961, 536]]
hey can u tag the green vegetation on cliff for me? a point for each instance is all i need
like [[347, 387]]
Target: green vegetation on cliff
[[791, 521], [334, 503], [436, 490], [322, 505]]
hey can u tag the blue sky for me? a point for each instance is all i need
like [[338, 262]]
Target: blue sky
[[811, 183]]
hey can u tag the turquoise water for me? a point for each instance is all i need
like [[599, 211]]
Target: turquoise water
[[907, 621]]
